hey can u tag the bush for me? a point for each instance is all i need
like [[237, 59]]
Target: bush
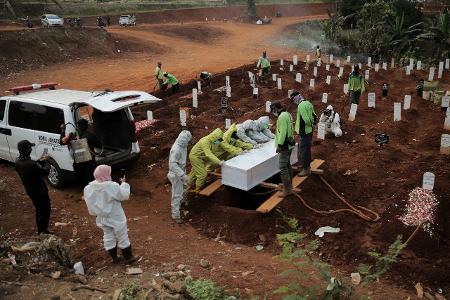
[[205, 290]]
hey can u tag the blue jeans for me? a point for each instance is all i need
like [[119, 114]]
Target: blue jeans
[[304, 150]]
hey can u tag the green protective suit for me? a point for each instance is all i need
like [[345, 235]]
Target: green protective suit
[[356, 83], [231, 145], [172, 80], [263, 63], [159, 73], [305, 110], [284, 130], [202, 156]]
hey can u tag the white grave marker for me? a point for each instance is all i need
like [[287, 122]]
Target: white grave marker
[[431, 75], [352, 114], [291, 68], [371, 100], [445, 144], [149, 115], [227, 123], [228, 91], [328, 80], [268, 103], [331, 58], [338, 63], [281, 62], [447, 63], [428, 181], [377, 67], [227, 80], [183, 117], [441, 69], [366, 75], [392, 63], [290, 93], [447, 119], [445, 101], [199, 86], [255, 92], [298, 77], [411, 63], [315, 72], [327, 67], [397, 111], [348, 59], [279, 83], [408, 70], [324, 97], [360, 66], [369, 61], [384, 66], [311, 83], [307, 58], [341, 71], [346, 88], [194, 98], [274, 77], [295, 60], [407, 102], [321, 130], [419, 65]]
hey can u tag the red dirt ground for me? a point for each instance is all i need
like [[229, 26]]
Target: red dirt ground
[[382, 183]]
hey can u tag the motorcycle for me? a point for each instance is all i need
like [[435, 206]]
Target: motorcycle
[[75, 22]]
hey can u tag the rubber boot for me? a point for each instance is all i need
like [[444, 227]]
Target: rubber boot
[[113, 253], [305, 172], [128, 255], [287, 187]]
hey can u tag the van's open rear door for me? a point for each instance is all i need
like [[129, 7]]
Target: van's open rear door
[[114, 101]]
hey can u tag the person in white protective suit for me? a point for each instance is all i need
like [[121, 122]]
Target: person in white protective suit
[[263, 131], [177, 172], [245, 129], [103, 198], [332, 121]]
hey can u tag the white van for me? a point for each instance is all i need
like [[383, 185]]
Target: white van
[[37, 116]]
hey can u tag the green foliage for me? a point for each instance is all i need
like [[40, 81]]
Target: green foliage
[[205, 290], [299, 254], [383, 262], [130, 292]]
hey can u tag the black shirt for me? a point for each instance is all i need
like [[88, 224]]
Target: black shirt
[[92, 140], [31, 172]]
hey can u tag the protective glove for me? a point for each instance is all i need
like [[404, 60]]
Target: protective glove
[[221, 163], [184, 178]]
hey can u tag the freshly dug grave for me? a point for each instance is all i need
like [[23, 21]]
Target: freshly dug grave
[[381, 179], [194, 32], [30, 49]]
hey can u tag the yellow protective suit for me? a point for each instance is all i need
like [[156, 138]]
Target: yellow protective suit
[[201, 156]]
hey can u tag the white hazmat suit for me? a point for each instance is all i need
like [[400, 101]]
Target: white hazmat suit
[[263, 124], [177, 170], [245, 129], [332, 121], [103, 199]]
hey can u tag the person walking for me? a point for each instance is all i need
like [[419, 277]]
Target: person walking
[[177, 172], [103, 199], [31, 172], [355, 85], [264, 65], [284, 143], [306, 118]]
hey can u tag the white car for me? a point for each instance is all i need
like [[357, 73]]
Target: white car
[[49, 20], [36, 115], [127, 20]]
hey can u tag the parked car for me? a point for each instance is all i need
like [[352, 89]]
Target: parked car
[[127, 20], [37, 115], [49, 20]]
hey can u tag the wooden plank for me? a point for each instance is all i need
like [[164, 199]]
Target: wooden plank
[[210, 189], [275, 199]]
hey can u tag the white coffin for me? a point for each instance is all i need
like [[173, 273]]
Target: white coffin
[[250, 169]]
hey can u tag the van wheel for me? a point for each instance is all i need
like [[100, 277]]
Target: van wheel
[[55, 177]]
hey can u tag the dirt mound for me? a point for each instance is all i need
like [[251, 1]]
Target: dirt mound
[[383, 178], [28, 49], [196, 33]]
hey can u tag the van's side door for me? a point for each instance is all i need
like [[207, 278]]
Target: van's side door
[[4, 131], [21, 123]]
